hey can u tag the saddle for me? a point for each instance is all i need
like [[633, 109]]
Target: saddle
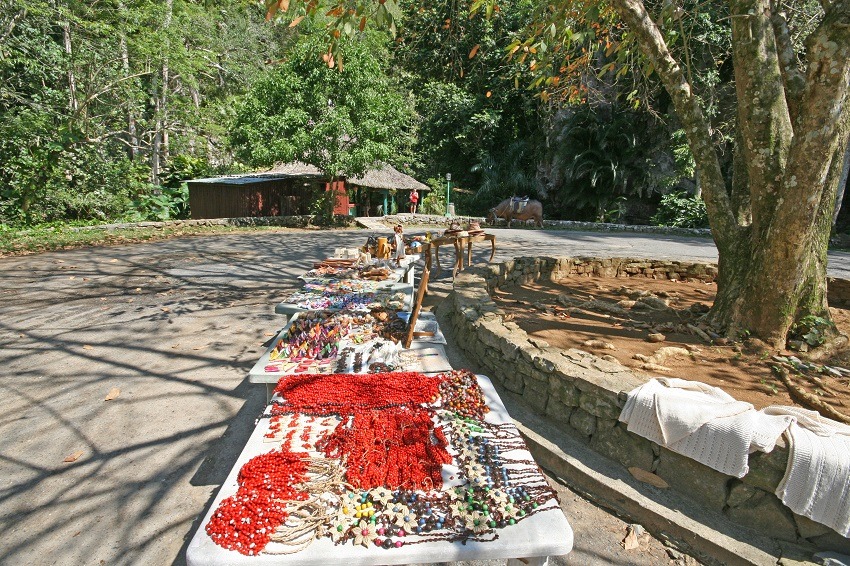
[[518, 204]]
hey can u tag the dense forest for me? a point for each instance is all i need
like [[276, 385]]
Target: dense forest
[[107, 107]]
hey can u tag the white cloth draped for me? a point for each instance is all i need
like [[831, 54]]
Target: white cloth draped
[[708, 425]]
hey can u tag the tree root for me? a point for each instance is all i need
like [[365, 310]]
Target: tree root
[[806, 398], [826, 350]]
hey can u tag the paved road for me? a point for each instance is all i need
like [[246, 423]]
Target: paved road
[[175, 326]]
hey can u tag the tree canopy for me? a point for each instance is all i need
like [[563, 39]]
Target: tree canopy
[[771, 218], [342, 121]]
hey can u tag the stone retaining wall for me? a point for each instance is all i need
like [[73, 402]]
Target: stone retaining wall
[[586, 393], [437, 220]]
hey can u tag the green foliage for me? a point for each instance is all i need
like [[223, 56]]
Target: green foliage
[[615, 212], [813, 330], [478, 121], [85, 152], [681, 210], [597, 160], [161, 204], [435, 201], [685, 164], [342, 121], [322, 207], [183, 168]]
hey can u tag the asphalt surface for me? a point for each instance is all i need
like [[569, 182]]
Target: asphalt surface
[[175, 326]]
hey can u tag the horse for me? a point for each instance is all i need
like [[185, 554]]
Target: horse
[[519, 209]]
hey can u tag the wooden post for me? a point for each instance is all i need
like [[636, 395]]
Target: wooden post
[[417, 304]]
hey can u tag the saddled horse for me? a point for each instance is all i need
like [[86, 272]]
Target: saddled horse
[[517, 209]]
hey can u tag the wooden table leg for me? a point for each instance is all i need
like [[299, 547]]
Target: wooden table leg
[[427, 270], [437, 257], [493, 251], [458, 258]]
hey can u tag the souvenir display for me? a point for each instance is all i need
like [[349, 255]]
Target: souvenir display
[[358, 451], [386, 460], [343, 300], [374, 271], [361, 358], [324, 342], [344, 285]]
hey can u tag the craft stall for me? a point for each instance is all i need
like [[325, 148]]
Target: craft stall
[[370, 452], [324, 342], [360, 284], [362, 267]]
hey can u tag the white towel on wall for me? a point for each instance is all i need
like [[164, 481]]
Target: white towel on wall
[[817, 480], [701, 422]]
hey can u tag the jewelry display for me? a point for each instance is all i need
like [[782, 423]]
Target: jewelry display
[[363, 451], [374, 475]]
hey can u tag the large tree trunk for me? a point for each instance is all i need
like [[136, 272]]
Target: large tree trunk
[[842, 177], [771, 243]]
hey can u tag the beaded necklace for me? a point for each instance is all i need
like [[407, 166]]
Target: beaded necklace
[[245, 521], [343, 393], [381, 483]]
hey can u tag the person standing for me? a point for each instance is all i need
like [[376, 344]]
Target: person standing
[[414, 200], [398, 243]]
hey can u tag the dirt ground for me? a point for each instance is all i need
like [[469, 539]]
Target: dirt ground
[[617, 316]]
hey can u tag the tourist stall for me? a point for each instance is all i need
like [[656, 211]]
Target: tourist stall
[[373, 453], [388, 468]]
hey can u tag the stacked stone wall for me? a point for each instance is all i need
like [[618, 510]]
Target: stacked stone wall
[[439, 220], [586, 393]]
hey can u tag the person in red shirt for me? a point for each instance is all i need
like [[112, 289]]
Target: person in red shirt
[[414, 200]]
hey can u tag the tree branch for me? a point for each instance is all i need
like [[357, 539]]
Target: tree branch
[[792, 76], [697, 128], [91, 98], [12, 23]]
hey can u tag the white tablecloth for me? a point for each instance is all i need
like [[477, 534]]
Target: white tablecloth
[[546, 533]]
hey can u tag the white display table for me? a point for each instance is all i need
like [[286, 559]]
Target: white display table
[[406, 288], [546, 533], [431, 356]]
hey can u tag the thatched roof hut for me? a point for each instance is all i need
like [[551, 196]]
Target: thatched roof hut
[[386, 176]]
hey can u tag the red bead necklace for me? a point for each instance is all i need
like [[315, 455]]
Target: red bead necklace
[[387, 437], [340, 393], [392, 448], [245, 521]]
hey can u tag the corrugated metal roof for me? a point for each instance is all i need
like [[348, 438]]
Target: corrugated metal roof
[[245, 179]]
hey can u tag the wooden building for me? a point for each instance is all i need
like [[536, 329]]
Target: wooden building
[[283, 191], [288, 190]]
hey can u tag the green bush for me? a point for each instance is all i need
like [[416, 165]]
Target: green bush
[[435, 201], [681, 210], [161, 204]]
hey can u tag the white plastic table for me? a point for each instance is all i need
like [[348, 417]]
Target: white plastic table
[[406, 288], [544, 534]]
